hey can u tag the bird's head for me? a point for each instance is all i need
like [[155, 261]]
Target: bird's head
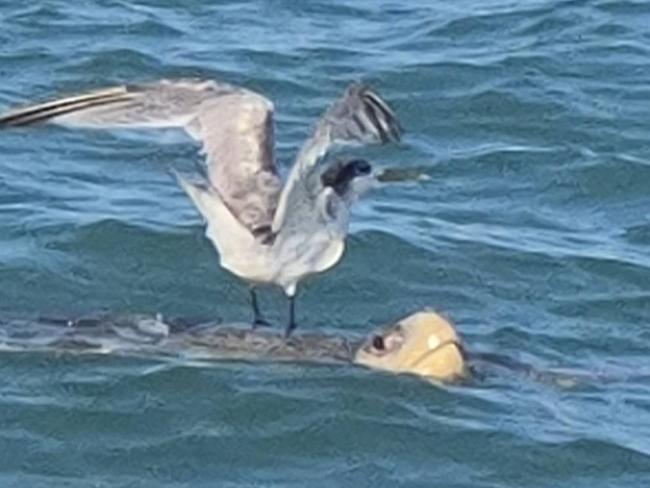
[[348, 178]]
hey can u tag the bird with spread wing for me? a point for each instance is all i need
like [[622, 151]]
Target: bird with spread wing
[[265, 232]]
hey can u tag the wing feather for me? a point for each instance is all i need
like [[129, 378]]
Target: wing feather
[[234, 125], [358, 117]]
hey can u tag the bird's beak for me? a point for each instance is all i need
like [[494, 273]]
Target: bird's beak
[[401, 175], [424, 344]]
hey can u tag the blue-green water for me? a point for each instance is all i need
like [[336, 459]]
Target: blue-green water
[[531, 120]]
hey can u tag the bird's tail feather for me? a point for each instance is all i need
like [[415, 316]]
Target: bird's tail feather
[[223, 229]]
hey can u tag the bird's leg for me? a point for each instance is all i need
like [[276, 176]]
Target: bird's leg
[[258, 320], [291, 324]]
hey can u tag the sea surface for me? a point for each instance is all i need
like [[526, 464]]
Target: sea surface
[[529, 227]]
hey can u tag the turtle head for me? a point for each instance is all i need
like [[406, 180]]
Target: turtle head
[[424, 344]]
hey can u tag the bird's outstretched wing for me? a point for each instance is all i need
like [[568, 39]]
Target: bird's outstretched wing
[[358, 117], [234, 125]]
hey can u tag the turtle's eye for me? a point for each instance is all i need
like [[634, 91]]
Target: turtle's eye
[[378, 343], [387, 341]]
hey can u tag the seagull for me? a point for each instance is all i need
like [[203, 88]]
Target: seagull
[[266, 233]]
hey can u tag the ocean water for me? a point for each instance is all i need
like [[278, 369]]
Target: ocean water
[[531, 231]]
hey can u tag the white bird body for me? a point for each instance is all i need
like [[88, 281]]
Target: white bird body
[[265, 232], [290, 258]]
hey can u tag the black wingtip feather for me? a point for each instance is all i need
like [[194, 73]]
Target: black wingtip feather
[[376, 107], [372, 114], [43, 112]]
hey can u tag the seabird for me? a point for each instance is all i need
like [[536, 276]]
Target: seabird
[[265, 232]]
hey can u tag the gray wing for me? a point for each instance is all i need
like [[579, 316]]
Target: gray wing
[[234, 125], [358, 117]]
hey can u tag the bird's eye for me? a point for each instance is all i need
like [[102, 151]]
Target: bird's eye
[[362, 167], [378, 343]]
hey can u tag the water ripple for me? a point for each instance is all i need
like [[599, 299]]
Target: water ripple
[[530, 228]]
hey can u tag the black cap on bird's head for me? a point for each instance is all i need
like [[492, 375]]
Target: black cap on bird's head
[[340, 174]]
